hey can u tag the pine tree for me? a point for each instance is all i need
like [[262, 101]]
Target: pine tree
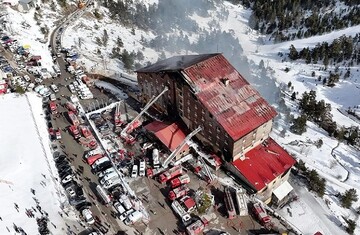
[[351, 226], [105, 37], [293, 54], [293, 96], [299, 125]]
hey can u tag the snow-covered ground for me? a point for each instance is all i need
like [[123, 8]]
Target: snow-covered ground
[[341, 170], [24, 28], [26, 164]]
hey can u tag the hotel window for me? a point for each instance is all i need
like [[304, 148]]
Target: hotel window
[[180, 107], [217, 129], [210, 124], [210, 139], [225, 142], [180, 93], [195, 107]]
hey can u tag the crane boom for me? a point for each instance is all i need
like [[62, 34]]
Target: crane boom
[[147, 106], [207, 170], [178, 148]]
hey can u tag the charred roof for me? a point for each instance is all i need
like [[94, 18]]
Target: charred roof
[[175, 63]]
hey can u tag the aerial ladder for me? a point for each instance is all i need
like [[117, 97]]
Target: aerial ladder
[[207, 170], [117, 114], [181, 146], [125, 133]]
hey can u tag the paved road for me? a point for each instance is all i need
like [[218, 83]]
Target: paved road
[[72, 148]]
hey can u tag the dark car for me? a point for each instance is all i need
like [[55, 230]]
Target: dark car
[[59, 158]]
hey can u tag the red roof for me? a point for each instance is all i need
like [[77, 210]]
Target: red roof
[[238, 107], [189, 203], [263, 163], [170, 135]]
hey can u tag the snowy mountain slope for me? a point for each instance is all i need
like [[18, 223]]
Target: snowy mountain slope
[[254, 48], [252, 51]]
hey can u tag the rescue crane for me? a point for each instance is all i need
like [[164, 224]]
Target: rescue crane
[[207, 170], [180, 147], [117, 114], [135, 122]]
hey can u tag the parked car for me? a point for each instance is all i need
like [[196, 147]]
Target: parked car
[[142, 167], [134, 172], [54, 88], [88, 217]]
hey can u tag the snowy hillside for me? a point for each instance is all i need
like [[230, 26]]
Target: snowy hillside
[[28, 184], [110, 45]]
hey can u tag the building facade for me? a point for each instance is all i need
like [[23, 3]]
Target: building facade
[[215, 104], [207, 91]]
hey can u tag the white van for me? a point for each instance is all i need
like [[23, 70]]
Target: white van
[[57, 69], [54, 88], [119, 208], [111, 183], [125, 201], [27, 78], [108, 177], [105, 172], [133, 218], [86, 213], [134, 172], [155, 158], [52, 97]]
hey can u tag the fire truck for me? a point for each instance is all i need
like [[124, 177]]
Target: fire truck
[[117, 117], [184, 179], [85, 131], [74, 131], [179, 210], [178, 192], [73, 118], [229, 203], [53, 107], [171, 173], [71, 107], [92, 144], [261, 214], [135, 123], [197, 227]]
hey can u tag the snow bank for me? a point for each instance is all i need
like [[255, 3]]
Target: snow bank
[[26, 164]]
